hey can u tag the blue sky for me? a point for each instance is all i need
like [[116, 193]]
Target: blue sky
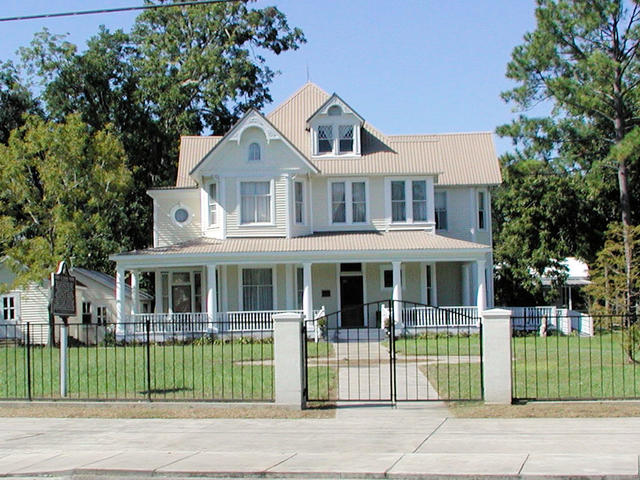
[[410, 66]]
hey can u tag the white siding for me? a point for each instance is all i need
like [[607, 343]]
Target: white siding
[[168, 232]]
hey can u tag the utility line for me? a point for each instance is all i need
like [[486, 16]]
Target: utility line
[[112, 10]]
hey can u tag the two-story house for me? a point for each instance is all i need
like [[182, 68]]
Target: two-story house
[[311, 207]]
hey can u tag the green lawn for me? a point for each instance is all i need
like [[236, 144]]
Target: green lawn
[[438, 344], [213, 371], [460, 381], [573, 367]]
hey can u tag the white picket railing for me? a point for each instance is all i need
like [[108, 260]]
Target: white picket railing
[[431, 317]]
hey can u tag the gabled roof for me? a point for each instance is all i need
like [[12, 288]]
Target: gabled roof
[[335, 98], [457, 158], [108, 281]]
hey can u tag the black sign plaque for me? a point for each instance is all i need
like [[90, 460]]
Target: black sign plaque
[[64, 294]]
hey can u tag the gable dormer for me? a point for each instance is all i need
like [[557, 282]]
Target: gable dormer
[[335, 129]]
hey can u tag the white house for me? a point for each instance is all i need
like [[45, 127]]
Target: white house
[[312, 207]]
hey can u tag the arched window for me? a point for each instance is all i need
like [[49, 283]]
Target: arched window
[[254, 152], [334, 111]]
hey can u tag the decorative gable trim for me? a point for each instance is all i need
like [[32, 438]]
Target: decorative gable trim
[[254, 118], [335, 100]]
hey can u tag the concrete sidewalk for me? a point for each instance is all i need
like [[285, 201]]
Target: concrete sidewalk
[[411, 441]]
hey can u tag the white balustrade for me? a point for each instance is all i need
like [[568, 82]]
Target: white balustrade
[[434, 317]]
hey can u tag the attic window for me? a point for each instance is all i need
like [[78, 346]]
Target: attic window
[[334, 111], [254, 152], [346, 138], [325, 138]]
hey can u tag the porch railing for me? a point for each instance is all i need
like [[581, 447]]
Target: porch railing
[[430, 317]]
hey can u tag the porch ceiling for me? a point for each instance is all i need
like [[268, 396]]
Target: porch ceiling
[[349, 243]]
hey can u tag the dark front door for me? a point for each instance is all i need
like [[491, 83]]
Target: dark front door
[[351, 300]]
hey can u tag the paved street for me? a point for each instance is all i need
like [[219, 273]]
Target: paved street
[[413, 440]]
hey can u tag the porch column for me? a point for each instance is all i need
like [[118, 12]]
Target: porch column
[[482, 290], [289, 287], [158, 291], [307, 298], [212, 305], [397, 292], [135, 292], [466, 284], [120, 305]]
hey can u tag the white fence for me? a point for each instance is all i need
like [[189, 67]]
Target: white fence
[[446, 317], [560, 319]]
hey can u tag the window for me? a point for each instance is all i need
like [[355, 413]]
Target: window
[[334, 111], [197, 292], [299, 287], [440, 200], [86, 312], [419, 199], [325, 138], [257, 289], [346, 138], [338, 202], [165, 292], [299, 202], [213, 199], [409, 201], [387, 277], [429, 286], [482, 219], [398, 202], [9, 307], [181, 292], [254, 152], [348, 202], [181, 215], [101, 315], [255, 200]]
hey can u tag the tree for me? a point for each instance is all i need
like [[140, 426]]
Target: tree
[[583, 60], [62, 190], [15, 101]]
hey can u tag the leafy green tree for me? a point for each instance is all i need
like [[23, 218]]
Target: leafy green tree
[[15, 101], [62, 186], [582, 59]]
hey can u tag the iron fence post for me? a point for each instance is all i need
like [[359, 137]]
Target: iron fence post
[[147, 326], [28, 339]]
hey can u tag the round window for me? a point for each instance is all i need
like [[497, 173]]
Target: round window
[[181, 215]]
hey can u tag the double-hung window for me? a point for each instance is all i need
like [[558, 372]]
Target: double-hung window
[[482, 211], [9, 305], [346, 138], [101, 315], [299, 202], [325, 138], [86, 313], [255, 201], [348, 202], [408, 201], [213, 201], [440, 205], [257, 289]]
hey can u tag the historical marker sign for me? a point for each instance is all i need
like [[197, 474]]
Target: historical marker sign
[[64, 292]]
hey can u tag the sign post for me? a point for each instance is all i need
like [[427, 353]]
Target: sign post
[[63, 304]]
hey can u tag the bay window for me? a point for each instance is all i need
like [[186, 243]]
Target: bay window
[[257, 289], [255, 202]]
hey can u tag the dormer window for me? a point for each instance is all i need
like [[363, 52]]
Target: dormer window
[[334, 111], [346, 138], [325, 138], [254, 152]]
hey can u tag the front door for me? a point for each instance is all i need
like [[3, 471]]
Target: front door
[[351, 300]]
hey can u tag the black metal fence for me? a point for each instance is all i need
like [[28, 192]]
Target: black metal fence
[[576, 357], [395, 351], [147, 361]]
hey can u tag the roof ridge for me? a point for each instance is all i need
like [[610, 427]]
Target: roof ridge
[[481, 132], [200, 136], [289, 99]]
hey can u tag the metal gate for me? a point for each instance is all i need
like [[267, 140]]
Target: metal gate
[[393, 351]]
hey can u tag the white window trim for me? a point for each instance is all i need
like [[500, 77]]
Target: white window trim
[[388, 266], [274, 281], [216, 205], [485, 194], [99, 319], [16, 304], [260, 149], [173, 211], [335, 123], [272, 193], [349, 200], [408, 198], [446, 208]]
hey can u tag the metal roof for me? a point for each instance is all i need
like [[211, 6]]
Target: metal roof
[[108, 281], [372, 241], [192, 150]]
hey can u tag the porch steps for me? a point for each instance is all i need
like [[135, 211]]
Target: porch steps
[[358, 335]]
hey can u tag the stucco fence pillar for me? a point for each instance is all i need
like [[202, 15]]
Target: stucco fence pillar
[[287, 356], [496, 356]]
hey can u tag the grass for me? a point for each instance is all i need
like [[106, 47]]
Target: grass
[[438, 344], [460, 381], [573, 367], [231, 371]]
